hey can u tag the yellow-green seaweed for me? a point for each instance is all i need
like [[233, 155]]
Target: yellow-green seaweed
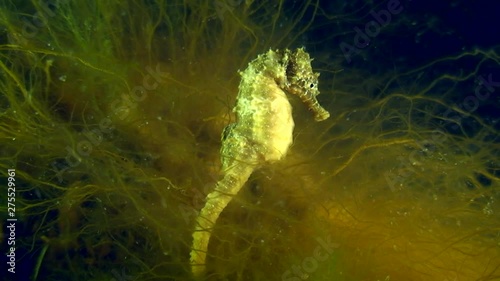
[[111, 113]]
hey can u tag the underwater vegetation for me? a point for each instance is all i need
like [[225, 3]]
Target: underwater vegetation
[[113, 114]]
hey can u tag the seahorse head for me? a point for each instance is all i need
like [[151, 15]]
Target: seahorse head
[[303, 81]]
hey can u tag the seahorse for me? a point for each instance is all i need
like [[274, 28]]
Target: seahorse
[[262, 133]]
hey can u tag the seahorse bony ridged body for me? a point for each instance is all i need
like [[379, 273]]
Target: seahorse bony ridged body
[[262, 134]]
